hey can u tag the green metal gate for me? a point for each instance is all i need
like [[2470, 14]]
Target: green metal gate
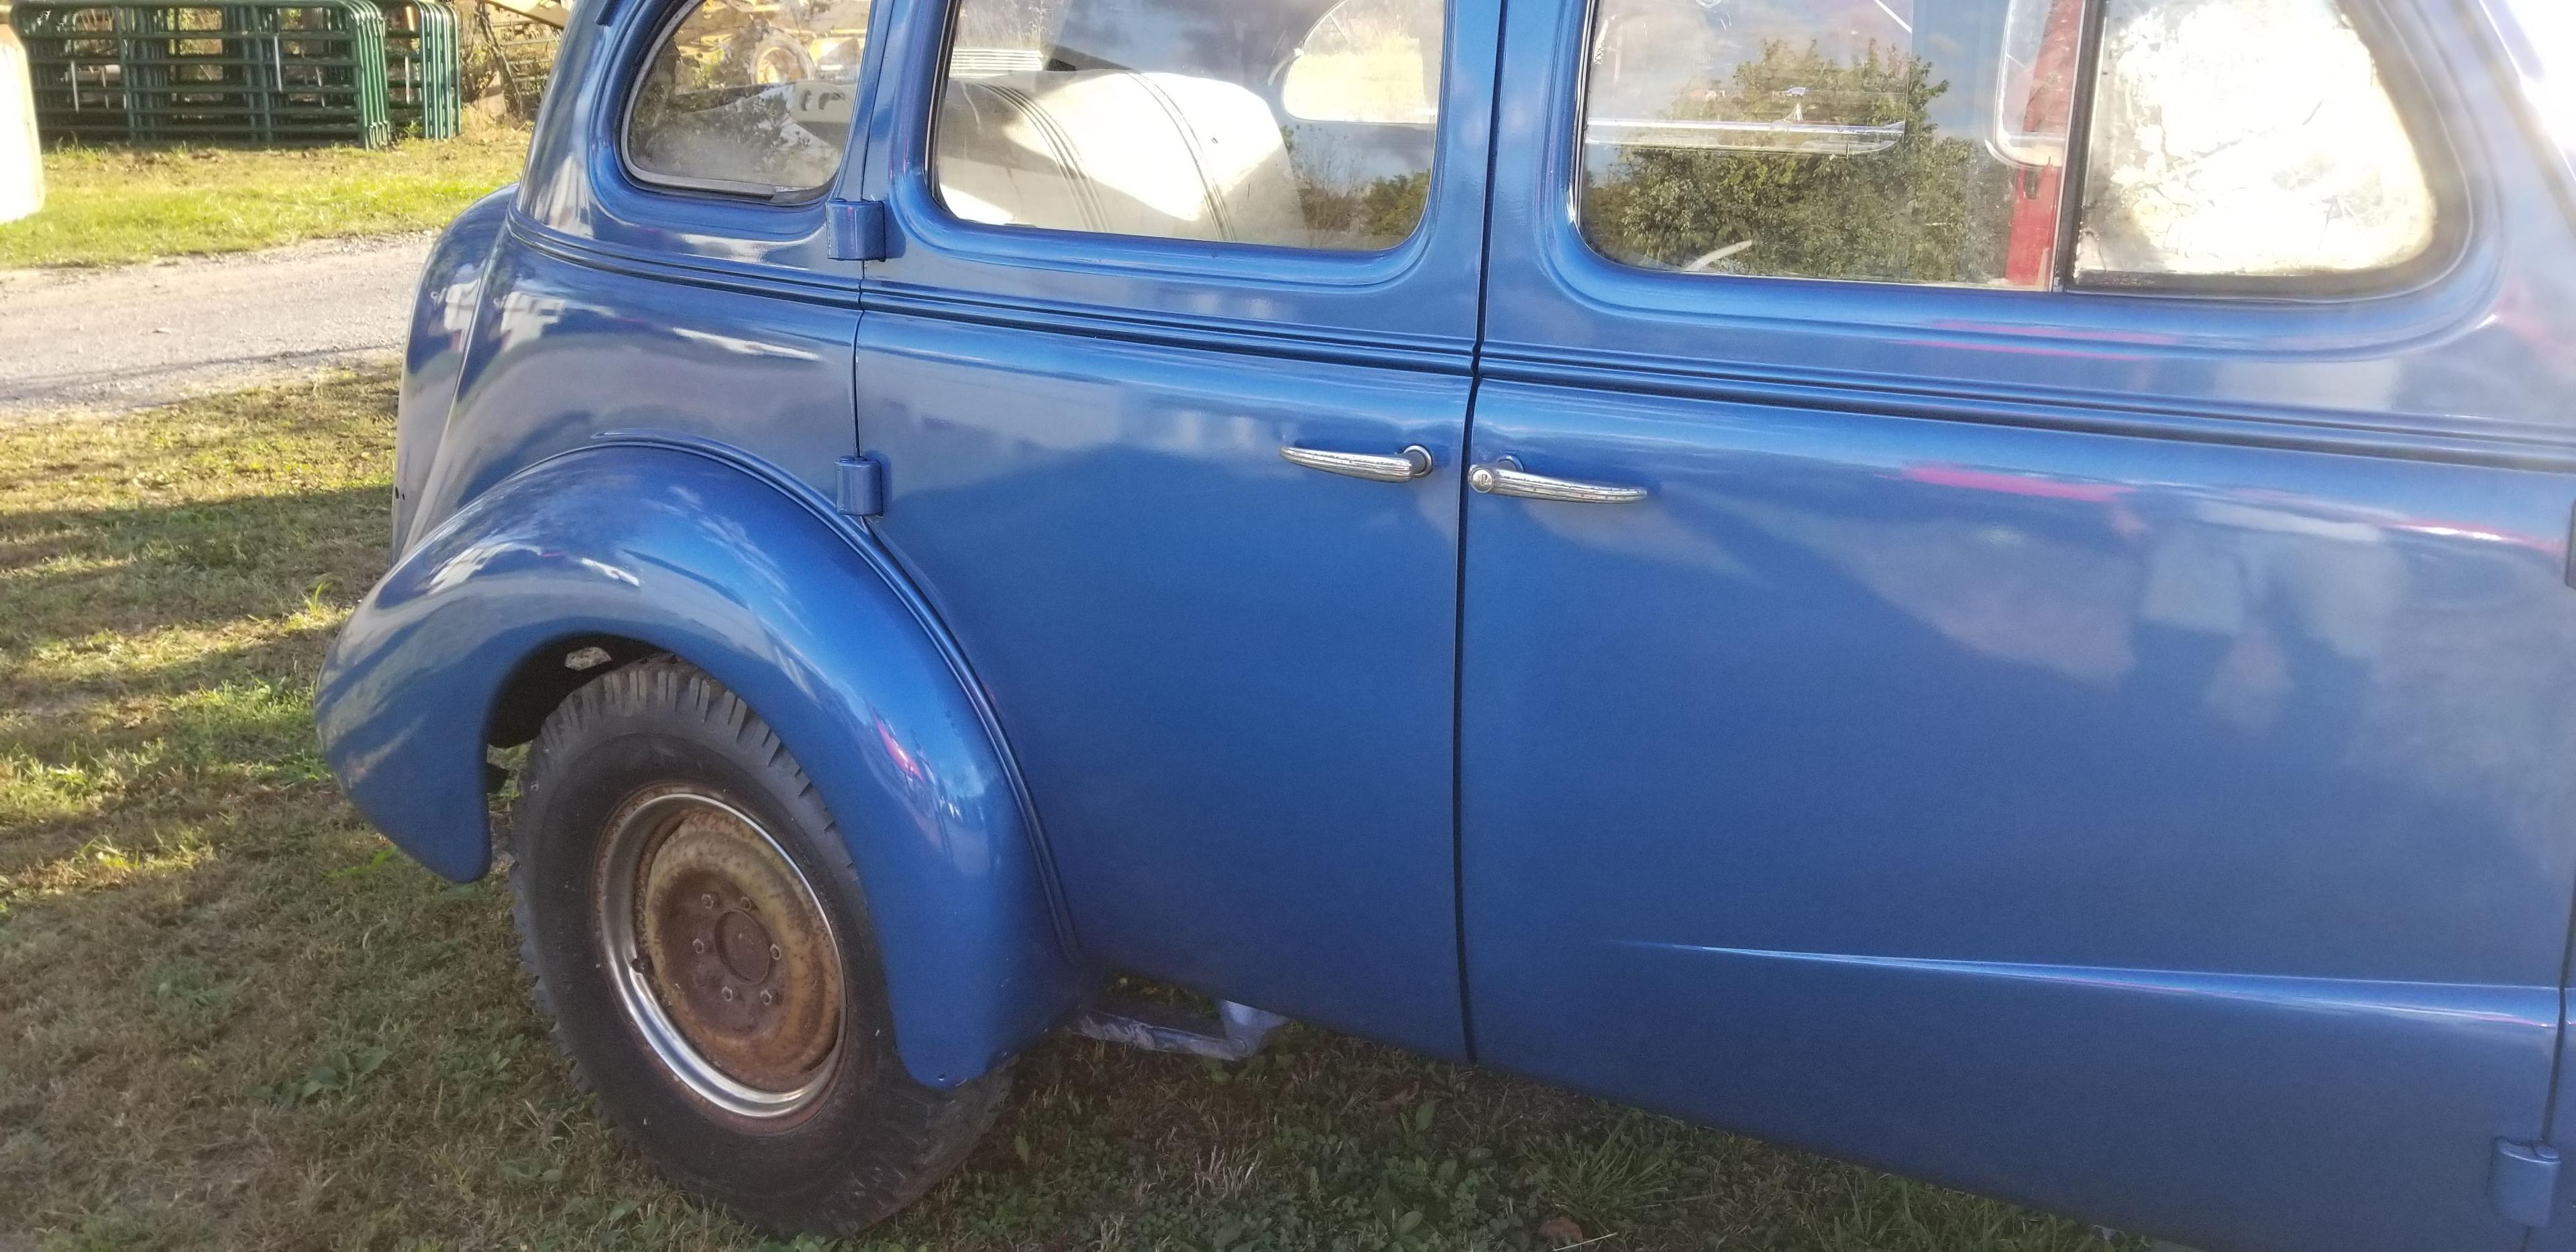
[[242, 72], [424, 68]]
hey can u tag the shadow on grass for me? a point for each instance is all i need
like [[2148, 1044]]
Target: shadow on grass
[[157, 662], [78, 573], [183, 741]]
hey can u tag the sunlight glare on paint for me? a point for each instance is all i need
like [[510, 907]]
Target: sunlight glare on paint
[[2549, 27]]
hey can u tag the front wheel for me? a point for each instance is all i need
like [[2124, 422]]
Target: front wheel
[[699, 939]]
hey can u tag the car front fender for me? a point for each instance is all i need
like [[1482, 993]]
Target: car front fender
[[751, 577]]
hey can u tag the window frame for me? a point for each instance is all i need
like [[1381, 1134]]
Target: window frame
[[2401, 76], [937, 196], [630, 90]]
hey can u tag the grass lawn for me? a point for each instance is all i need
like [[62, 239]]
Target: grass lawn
[[113, 204], [234, 1017]]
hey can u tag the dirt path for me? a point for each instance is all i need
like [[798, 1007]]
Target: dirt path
[[112, 340]]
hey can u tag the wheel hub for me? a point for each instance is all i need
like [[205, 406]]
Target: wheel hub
[[742, 946], [729, 971]]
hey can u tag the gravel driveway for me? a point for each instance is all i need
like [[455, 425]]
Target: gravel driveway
[[116, 339]]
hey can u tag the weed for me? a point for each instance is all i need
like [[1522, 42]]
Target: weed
[[332, 1078], [189, 1000], [1604, 1180]]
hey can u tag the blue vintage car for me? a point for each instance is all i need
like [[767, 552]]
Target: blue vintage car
[[1980, 586]]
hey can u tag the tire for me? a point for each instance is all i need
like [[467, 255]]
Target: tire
[[651, 794]]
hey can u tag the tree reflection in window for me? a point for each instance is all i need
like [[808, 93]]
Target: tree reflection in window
[[1797, 140]]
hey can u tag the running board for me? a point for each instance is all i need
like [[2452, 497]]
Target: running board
[[1235, 1033]]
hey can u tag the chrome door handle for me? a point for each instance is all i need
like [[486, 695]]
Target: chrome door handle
[[1503, 476], [1414, 462]]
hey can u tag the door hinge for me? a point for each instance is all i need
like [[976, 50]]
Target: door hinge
[[862, 488], [858, 230], [2523, 1182]]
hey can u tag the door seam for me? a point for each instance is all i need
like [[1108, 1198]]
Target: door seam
[[1466, 450]]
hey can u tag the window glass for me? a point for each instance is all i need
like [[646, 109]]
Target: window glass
[[1296, 123], [1895, 140], [750, 95], [1375, 61], [2214, 153], [2540, 40]]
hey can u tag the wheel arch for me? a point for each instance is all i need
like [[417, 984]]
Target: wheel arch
[[647, 544], [549, 675]]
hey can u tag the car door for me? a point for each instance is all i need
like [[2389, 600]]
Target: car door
[[2066, 695], [1168, 372]]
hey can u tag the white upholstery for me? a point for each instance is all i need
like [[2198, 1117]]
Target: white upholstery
[[1166, 156]]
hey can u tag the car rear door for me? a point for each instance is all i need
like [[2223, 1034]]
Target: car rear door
[[1168, 371], [2083, 715]]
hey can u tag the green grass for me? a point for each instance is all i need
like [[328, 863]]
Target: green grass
[[108, 205], [231, 1016]]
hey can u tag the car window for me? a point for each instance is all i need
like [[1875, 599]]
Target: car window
[[1373, 61], [1284, 124], [1826, 138], [748, 96], [2214, 154], [1925, 141]]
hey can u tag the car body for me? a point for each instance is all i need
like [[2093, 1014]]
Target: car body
[[2094, 731]]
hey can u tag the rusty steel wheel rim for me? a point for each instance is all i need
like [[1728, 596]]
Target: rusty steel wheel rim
[[720, 951]]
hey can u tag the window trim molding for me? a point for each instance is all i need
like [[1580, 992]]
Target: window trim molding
[[2078, 165]]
